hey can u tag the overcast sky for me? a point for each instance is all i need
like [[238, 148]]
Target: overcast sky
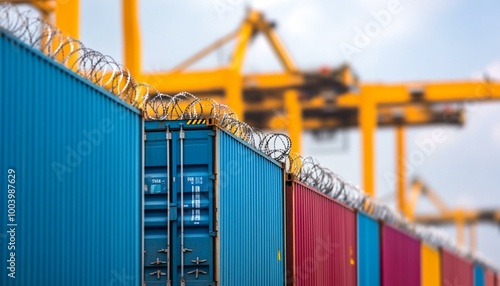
[[421, 40]]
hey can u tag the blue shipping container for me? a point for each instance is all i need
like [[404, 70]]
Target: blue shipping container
[[71, 172], [368, 251], [213, 208], [478, 275]]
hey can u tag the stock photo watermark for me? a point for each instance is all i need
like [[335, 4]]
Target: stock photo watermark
[[223, 7], [11, 223], [323, 250], [426, 147], [121, 278], [364, 35], [454, 283], [75, 154]]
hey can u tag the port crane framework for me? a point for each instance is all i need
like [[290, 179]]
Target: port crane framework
[[334, 98]]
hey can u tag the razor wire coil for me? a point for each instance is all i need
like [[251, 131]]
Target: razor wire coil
[[105, 72]]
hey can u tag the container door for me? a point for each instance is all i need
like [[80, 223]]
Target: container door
[[193, 236], [156, 209]]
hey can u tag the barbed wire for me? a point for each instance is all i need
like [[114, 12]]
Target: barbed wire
[[105, 72]]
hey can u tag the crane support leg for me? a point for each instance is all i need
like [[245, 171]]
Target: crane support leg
[[294, 118]]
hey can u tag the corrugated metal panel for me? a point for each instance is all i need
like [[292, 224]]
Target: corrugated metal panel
[[244, 198], [489, 278], [174, 156], [368, 251], [430, 265], [455, 270], [251, 219], [400, 254], [324, 239], [76, 152], [478, 275]]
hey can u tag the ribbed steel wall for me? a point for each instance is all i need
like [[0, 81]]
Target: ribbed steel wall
[[368, 251], [76, 154], [478, 275], [489, 278], [455, 270], [430, 265], [251, 220], [400, 254], [324, 238]]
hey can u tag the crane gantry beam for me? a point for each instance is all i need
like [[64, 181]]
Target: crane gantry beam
[[371, 96], [232, 86], [460, 217]]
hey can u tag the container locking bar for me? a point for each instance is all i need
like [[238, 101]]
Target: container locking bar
[[168, 137], [181, 136]]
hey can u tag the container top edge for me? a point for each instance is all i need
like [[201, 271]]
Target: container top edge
[[10, 37]]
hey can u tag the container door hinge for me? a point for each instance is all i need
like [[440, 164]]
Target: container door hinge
[[212, 177], [145, 136], [211, 133], [213, 233]]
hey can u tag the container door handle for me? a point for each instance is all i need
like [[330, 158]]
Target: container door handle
[[197, 272], [157, 262], [158, 274], [198, 261]]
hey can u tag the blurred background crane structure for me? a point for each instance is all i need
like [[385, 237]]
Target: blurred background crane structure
[[322, 100]]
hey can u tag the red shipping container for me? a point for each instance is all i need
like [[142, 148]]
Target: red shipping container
[[489, 278], [456, 270], [400, 255], [321, 238]]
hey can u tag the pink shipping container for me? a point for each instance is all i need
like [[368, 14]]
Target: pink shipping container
[[400, 255], [489, 278], [321, 238], [455, 269]]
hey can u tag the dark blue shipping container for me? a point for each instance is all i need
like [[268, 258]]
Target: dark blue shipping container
[[213, 208], [71, 172], [368, 251], [478, 275]]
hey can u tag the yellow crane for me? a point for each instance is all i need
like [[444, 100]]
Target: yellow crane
[[63, 14], [397, 104], [460, 217]]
